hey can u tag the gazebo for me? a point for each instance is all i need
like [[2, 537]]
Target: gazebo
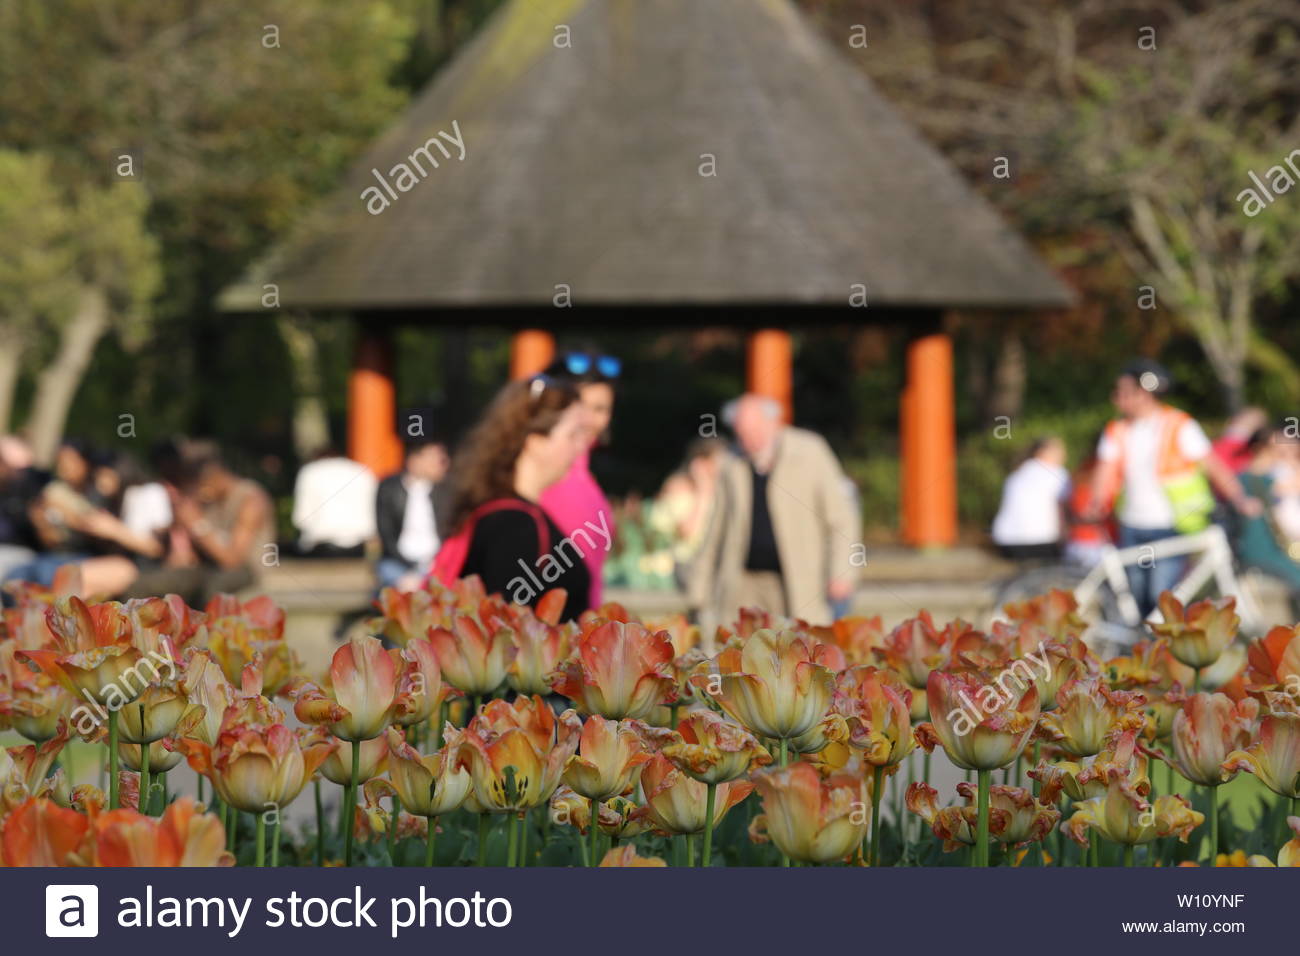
[[658, 162]]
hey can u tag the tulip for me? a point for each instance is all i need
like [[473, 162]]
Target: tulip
[[608, 760], [914, 648], [371, 762], [153, 715], [1273, 663], [472, 659], [1207, 730], [1055, 613], [182, 837], [627, 856], [1274, 756], [405, 615], [713, 750], [257, 763], [1124, 815], [810, 819], [234, 641], [41, 833], [1086, 712], [427, 786], [776, 684], [360, 702], [161, 760], [32, 703], [540, 648], [24, 771], [984, 739], [878, 711], [1289, 855], [516, 754], [420, 691], [1087, 778], [620, 671], [1198, 634], [93, 657], [676, 804]]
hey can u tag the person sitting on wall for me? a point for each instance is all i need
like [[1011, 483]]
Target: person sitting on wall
[[410, 507]]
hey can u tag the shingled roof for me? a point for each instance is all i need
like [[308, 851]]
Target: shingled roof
[[583, 168]]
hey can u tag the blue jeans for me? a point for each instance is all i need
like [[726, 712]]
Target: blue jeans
[[1148, 579], [388, 570]]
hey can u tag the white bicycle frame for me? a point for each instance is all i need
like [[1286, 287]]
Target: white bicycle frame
[[1215, 562]]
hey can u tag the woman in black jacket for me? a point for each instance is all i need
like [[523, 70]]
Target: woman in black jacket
[[526, 441]]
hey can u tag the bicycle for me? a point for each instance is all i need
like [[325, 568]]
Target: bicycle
[[1106, 601]]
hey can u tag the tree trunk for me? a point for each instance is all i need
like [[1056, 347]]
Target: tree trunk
[[1010, 372], [311, 425], [11, 354], [57, 384]]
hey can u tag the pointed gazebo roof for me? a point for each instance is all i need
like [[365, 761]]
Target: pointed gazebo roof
[[586, 166]]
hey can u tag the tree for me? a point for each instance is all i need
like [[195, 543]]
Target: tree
[[1138, 123]]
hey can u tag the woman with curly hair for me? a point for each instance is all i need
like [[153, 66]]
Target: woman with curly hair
[[526, 441]]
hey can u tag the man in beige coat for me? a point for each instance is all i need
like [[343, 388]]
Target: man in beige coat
[[786, 534]]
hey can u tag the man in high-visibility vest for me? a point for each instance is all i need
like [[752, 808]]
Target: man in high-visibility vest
[[1155, 468]]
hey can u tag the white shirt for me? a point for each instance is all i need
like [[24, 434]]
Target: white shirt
[[146, 509], [1145, 503], [334, 503], [1030, 512], [419, 541]]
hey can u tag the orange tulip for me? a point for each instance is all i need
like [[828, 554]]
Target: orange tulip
[[713, 749], [674, 803], [1086, 712], [420, 690], [1273, 663], [608, 761], [811, 819], [1083, 779], [1289, 855], [982, 720], [1207, 730], [1125, 815], [516, 753], [24, 771], [405, 615], [621, 670], [777, 684], [182, 837], [428, 786], [540, 648], [362, 699], [234, 642], [1200, 633], [93, 655], [41, 833], [627, 856], [473, 659], [1274, 756], [877, 708], [257, 762], [337, 766]]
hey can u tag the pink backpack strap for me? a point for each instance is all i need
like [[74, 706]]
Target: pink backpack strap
[[456, 548]]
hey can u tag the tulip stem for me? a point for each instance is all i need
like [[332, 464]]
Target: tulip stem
[[260, 858], [144, 774], [593, 832], [442, 722], [112, 760], [392, 829], [320, 824], [232, 829], [483, 823], [706, 855], [877, 785], [1094, 851], [430, 841], [1128, 854], [785, 752], [351, 803], [1196, 682], [275, 840], [690, 850], [512, 845], [200, 788], [523, 838], [1214, 823], [982, 820]]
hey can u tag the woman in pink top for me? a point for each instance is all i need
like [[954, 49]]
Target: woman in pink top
[[575, 503]]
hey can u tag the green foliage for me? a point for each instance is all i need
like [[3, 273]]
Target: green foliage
[[36, 259]]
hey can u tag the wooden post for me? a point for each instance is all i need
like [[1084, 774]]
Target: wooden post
[[531, 351], [769, 367], [372, 403], [929, 444]]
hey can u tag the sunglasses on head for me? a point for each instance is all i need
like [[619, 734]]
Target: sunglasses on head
[[538, 384], [580, 363]]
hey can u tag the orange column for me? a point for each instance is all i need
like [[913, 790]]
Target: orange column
[[372, 403], [930, 444], [531, 351], [769, 367]]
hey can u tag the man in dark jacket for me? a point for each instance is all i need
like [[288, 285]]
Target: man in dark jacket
[[409, 509]]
